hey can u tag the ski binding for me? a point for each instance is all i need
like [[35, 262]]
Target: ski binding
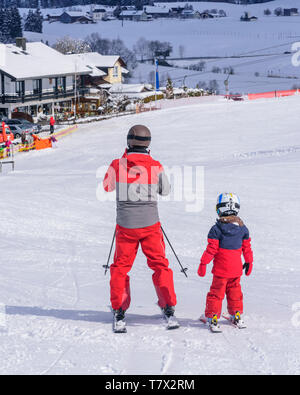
[[211, 323], [235, 320]]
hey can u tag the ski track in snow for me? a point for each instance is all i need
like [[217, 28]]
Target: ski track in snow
[[53, 291]]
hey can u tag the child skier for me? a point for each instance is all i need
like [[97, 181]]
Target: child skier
[[137, 179], [228, 239]]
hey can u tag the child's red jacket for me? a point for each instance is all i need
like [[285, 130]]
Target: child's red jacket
[[228, 239]]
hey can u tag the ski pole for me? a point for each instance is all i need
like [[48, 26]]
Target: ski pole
[[183, 270], [109, 255]]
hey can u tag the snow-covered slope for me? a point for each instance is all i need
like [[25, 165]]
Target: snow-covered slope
[[55, 237]]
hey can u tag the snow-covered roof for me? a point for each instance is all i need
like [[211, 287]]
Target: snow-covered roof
[[128, 13], [156, 10], [99, 10], [87, 60], [129, 88], [94, 59], [74, 13], [37, 61]]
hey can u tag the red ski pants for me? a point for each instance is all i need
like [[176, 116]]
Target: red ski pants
[[220, 287], [153, 246]]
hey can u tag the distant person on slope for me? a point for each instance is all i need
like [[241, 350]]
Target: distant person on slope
[[138, 178], [52, 123], [228, 239]]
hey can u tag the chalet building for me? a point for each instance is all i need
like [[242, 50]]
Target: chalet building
[[247, 18], [134, 15], [53, 17], [206, 15], [132, 91], [35, 78], [98, 14], [74, 17], [176, 11], [105, 72], [157, 12], [190, 14], [290, 12]]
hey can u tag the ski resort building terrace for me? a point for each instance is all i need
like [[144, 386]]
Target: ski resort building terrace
[[35, 78]]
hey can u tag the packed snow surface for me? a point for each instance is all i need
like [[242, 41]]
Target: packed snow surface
[[55, 237]]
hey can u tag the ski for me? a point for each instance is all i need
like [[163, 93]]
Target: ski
[[236, 320], [172, 322], [119, 326], [213, 326]]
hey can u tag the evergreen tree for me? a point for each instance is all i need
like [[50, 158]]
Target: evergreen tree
[[6, 23], [169, 89], [16, 23], [34, 21]]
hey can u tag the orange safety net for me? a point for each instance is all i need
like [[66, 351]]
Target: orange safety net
[[41, 143]]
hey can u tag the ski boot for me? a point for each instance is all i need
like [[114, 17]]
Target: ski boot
[[168, 313], [237, 320], [212, 323], [119, 324]]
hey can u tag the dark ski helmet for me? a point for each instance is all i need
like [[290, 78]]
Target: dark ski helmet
[[139, 135]]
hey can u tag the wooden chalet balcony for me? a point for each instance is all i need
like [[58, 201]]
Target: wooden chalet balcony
[[45, 95]]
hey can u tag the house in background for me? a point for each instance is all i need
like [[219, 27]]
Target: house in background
[[98, 14], [134, 15], [35, 78], [132, 91], [53, 17], [75, 17], [190, 14], [290, 12], [157, 12], [247, 18], [206, 15]]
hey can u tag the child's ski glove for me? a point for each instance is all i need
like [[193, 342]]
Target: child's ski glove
[[248, 268], [202, 270]]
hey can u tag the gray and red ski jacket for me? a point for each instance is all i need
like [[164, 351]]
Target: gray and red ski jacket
[[137, 179]]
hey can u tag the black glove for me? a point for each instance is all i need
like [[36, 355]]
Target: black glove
[[248, 268]]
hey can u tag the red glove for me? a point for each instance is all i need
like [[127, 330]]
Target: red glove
[[248, 268], [201, 270]]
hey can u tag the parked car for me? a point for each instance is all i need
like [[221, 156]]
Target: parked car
[[17, 131], [24, 124]]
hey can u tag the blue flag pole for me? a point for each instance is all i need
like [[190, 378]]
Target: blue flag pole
[[156, 80], [156, 76]]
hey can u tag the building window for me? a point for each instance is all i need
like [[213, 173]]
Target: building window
[[116, 71], [60, 84], [20, 88], [37, 86]]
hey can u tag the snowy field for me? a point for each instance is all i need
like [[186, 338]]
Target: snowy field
[[55, 237], [269, 35]]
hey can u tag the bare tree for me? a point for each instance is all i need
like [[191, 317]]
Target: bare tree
[[141, 48], [181, 50], [71, 45]]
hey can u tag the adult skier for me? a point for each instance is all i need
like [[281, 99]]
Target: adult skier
[[137, 179]]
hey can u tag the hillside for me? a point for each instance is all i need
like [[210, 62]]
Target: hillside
[[265, 45], [55, 316]]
